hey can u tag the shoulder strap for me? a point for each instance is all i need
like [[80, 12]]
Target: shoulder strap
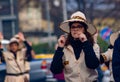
[[18, 66]]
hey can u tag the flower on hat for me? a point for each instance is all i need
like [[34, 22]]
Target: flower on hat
[[80, 17]]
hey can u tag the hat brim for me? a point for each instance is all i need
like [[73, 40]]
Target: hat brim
[[64, 26], [14, 42], [113, 37]]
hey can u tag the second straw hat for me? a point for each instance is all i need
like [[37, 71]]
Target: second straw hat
[[113, 37]]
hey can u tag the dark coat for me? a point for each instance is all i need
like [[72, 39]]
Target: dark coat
[[116, 60]]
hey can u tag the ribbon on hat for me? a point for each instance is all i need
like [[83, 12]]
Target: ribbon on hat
[[78, 17]]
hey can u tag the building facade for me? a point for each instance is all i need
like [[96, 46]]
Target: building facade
[[8, 18]]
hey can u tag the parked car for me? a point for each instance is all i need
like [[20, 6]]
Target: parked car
[[45, 66]]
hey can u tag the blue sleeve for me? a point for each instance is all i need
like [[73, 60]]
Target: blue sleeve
[[91, 60], [29, 48], [28, 56], [57, 65], [116, 61], [28, 51]]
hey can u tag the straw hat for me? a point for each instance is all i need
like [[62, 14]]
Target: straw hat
[[13, 40], [113, 37], [77, 16]]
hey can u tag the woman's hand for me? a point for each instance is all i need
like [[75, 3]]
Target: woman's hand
[[82, 37], [61, 41]]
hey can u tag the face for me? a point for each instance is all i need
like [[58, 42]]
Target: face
[[14, 47], [76, 29]]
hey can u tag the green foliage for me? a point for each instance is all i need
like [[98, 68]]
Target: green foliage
[[103, 44], [43, 48]]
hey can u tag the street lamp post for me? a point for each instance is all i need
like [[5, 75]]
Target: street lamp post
[[64, 10], [48, 24], [48, 15], [1, 29], [91, 11], [12, 14], [57, 3]]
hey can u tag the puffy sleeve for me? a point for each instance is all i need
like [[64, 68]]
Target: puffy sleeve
[[97, 50], [107, 56]]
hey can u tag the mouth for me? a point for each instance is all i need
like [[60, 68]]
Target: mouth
[[75, 33]]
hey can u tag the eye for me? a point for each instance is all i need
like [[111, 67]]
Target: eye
[[79, 26], [73, 26]]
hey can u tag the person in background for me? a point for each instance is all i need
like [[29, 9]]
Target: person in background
[[28, 57], [14, 59], [107, 56], [116, 57], [106, 73], [76, 55], [100, 72]]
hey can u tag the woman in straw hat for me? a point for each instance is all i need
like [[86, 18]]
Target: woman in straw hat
[[76, 55], [14, 59], [116, 57]]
